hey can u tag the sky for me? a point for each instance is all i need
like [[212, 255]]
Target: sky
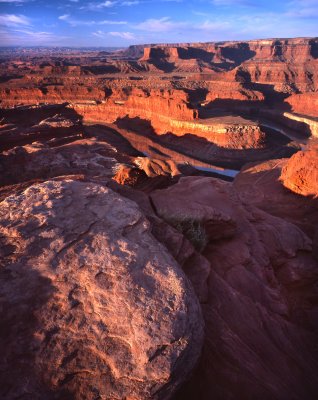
[[120, 23]]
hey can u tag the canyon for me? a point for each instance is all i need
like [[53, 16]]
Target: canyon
[[159, 215]]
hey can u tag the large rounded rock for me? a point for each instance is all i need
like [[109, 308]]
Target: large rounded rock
[[300, 174], [92, 306]]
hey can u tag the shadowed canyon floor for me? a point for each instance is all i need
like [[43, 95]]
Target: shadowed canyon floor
[[158, 235]]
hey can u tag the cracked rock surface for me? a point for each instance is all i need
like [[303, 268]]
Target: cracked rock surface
[[92, 306]]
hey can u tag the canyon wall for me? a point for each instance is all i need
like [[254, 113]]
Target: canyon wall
[[177, 88], [304, 103], [284, 63], [225, 135], [299, 49]]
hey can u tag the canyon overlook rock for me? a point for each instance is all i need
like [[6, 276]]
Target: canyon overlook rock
[[92, 306]]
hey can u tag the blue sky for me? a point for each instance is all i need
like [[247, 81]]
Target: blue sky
[[124, 22]]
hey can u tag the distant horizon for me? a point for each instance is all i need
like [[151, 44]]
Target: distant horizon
[[149, 44], [121, 23]]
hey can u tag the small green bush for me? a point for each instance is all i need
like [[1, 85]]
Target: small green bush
[[192, 228]]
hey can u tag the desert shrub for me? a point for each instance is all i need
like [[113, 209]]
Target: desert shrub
[[192, 228]]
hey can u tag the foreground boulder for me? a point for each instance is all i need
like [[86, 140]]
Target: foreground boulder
[[261, 309], [300, 175], [92, 305]]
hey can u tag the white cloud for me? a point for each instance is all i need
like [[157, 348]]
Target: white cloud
[[98, 6], [167, 25], [130, 3], [201, 14], [164, 24], [75, 22], [26, 36], [305, 3], [248, 26], [107, 4], [14, 1], [124, 35], [66, 18], [17, 29], [36, 35], [303, 9], [110, 22], [233, 2], [99, 34], [14, 20], [213, 25]]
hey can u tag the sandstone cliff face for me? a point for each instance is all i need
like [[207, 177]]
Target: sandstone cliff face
[[170, 103], [160, 53], [64, 70], [249, 71], [158, 106], [283, 49], [227, 89], [301, 121], [304, 103], [51, 94], [231, 136], [285, 63], [282, 75], [92, 304]]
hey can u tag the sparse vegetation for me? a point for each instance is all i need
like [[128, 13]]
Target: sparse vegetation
[[192, 228]]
